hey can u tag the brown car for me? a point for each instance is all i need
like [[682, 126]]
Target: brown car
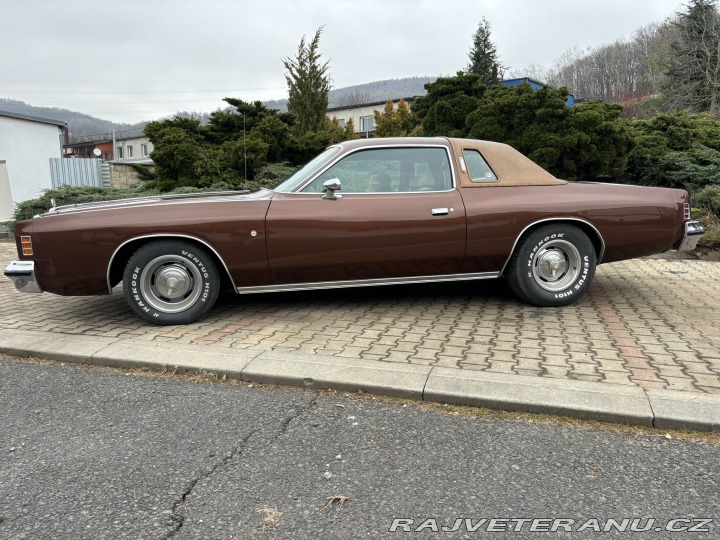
[[367, 212]]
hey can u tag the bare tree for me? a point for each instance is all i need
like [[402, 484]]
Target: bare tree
[[352, 98], [609, 72], [533, 71], [693, 78]]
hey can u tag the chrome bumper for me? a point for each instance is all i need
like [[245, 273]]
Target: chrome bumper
[[23, 275], [693, 231]]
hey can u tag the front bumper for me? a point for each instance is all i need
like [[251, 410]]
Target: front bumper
[[23, 275], [693, 231]]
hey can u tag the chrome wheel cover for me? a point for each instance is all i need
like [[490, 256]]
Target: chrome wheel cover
[[556, 265], [170, 283]]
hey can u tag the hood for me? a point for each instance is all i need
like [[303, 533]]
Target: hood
[[153, 200]]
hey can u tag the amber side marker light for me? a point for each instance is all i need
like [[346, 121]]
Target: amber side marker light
[[26, 245]]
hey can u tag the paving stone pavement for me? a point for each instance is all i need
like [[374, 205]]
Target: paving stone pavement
[[652, 323]]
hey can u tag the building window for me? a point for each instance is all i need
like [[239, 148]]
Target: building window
[[129, 151], [367, 123], [143, 150], [119, 152]]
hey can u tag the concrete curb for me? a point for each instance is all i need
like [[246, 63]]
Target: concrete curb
[[685, 410], [347, 374], [579, 399], [627, 404]]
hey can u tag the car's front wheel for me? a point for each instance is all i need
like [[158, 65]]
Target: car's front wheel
[[552, 266], [171, 282]]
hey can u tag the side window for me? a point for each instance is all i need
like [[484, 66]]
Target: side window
[[389, 170], [365, 171], [478, 168]]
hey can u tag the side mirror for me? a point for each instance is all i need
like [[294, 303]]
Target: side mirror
[[331, 186]]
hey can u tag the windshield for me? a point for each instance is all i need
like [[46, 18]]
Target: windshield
[[303, 174]]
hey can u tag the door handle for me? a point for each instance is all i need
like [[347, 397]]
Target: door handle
[[440, 211]]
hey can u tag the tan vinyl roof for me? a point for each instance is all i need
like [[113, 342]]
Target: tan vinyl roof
[[510, 166]]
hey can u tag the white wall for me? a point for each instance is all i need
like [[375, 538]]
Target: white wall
[[136, 143], [6, 200], [356, 113], [27, 147]]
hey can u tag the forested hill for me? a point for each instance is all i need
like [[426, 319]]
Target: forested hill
[[370, 92], [80, 124]]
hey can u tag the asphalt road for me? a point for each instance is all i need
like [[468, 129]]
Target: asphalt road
[[93, 453]]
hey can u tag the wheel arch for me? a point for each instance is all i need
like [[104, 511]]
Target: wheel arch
[[124, 251], [588, 228]]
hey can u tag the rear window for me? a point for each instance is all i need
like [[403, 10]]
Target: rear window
[[478, 168]]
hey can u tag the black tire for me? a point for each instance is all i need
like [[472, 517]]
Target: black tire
[[171, 282], [552, 266]]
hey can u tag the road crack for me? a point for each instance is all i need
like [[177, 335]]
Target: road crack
[[178, 514]]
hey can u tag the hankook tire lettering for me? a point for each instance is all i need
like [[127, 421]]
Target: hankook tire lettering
[[558, 263], [170, 284]]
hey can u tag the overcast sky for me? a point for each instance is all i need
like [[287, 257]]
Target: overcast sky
[[136, 60]]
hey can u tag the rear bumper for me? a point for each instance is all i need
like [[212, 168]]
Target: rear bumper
[[693, 231], [22, 273]]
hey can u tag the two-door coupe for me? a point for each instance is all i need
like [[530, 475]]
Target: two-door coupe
[[365, 212]]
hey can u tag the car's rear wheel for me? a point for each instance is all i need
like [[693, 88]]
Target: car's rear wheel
[[552, 266], [171, 282]]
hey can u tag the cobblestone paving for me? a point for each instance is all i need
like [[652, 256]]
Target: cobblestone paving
[[648, 322]]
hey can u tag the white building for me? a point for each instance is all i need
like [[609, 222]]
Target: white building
[[135, 148], [26, 145], [362, 115]]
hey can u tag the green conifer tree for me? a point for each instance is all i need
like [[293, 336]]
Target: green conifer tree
[[308, 86], [483, 56]]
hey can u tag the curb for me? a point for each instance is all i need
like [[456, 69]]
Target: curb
[[606, 402]]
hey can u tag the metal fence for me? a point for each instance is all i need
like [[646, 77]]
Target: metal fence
[[76, 172]]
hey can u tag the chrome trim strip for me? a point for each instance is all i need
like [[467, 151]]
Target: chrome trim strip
[[309, 286], [224, 197], [168, 235], [463, 167], [602, 241]]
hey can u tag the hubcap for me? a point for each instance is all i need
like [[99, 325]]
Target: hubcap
[[170, 284], [556, 266]]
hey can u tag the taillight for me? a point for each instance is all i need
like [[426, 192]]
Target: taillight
[[26, 244], [687, 215]]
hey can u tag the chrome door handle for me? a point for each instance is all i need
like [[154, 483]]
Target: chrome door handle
[[440, 211]]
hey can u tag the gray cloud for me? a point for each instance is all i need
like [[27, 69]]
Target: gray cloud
[[134, 60]]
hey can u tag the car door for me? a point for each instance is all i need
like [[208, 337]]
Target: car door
[[397, 214]]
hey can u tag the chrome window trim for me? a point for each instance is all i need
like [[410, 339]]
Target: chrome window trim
[[355, 193], [165, 235], [298, 190], [313, 285], [463, 167], [546, 220]]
